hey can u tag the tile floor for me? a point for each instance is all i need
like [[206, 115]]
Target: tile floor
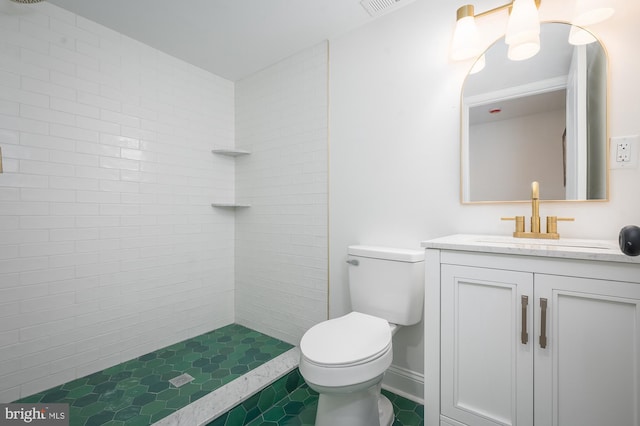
[[138, 392], [289, 401]]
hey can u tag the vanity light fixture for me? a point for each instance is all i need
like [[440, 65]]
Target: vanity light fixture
[[589, 12], [523, 28], [466, 43]]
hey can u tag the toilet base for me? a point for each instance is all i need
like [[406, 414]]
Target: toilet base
[[385, 411], [367, 407]]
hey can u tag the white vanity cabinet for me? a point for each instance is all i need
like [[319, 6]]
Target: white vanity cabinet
[[487, 375], [546, 335], [589, 371]]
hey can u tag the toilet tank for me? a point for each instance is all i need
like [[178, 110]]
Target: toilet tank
[[387, 282]]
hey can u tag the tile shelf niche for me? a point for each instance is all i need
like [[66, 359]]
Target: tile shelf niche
[[230, 153]]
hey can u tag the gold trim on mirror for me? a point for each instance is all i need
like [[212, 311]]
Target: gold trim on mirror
[[473, 95]]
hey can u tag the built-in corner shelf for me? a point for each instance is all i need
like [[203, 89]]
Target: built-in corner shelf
[[230, 152], [230, 205]]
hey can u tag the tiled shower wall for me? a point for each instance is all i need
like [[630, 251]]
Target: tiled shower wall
[[108, 245], [281, 240]]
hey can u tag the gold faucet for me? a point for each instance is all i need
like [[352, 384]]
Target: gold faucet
[[552, 221], [535, 207]]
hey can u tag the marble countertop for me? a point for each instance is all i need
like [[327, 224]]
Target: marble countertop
[[567, 248]]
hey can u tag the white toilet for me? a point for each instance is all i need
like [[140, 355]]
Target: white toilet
[[344, 358]]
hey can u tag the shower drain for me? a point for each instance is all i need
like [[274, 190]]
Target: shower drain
[[181, 380]]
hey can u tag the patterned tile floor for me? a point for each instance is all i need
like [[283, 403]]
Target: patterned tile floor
[[290, 401], [138, 392]]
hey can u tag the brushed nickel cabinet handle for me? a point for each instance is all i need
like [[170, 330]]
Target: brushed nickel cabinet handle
[[543, 323], [524, 336]]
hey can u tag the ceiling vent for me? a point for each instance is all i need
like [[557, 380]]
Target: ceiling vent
[[380, 7]]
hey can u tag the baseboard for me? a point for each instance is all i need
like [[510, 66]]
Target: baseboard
[[405, 383]]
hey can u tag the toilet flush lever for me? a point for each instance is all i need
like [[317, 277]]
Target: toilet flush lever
[[353, 262]]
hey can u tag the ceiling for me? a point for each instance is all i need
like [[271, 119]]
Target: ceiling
[[230, 38]]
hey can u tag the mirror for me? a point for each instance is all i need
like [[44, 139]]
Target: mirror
[[543, 119]]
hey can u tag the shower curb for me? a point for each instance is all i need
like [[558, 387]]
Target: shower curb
[[221, 400]]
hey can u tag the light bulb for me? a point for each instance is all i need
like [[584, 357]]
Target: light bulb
[[465, 44], [589, 12], [524, 22]]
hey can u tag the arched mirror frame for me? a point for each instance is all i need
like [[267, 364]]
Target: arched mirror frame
[[548, 86]]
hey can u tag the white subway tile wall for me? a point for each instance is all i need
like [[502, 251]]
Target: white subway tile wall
[[281, 240], [108, 245]]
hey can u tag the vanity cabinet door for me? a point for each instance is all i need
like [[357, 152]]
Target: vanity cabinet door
[[589, 372], [486, 361]]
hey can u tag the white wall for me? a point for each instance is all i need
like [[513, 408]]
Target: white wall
[[108, 245], [281, 240], [394, 142]]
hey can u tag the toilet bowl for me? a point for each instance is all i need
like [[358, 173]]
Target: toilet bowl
[[344, 358]]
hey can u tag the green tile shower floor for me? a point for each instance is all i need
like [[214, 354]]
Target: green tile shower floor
[[138, 392]]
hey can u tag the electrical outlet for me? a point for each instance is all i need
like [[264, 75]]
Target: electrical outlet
[[624, 152]]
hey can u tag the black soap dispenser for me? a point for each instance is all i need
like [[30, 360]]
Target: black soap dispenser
[[630, 240]]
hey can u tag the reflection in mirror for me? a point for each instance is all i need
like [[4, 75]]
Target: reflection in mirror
[[543, 119]]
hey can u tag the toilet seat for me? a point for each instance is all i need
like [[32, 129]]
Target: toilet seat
[[351, 339], [347, 350]]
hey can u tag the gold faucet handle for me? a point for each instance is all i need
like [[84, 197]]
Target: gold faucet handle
[[552, 223], [519, 222]]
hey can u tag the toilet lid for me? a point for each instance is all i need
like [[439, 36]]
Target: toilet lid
[[346, 340]]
